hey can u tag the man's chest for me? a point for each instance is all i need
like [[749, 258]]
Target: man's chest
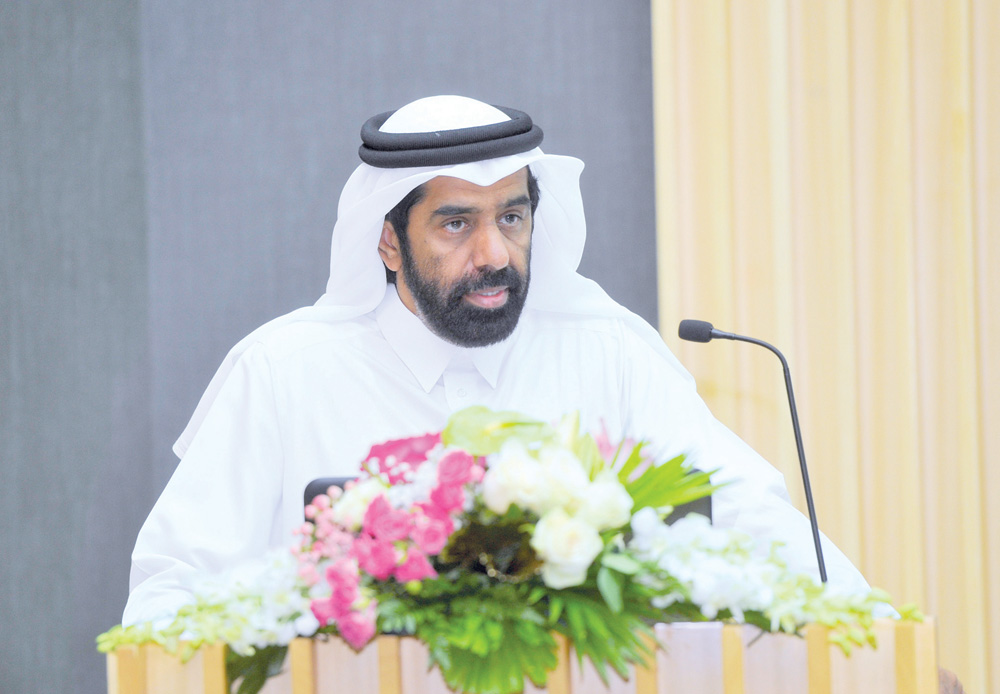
[[338, 411]]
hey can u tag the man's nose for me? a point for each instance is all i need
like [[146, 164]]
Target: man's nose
[[490, 250]]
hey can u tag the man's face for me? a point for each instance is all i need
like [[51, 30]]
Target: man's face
[[464, 263]]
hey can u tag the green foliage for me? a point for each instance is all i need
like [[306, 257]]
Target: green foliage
[[246, 672], [169, 638], [658, 486], [254, 669], [584, 446], [481, 431], [486, 636], [911, 612], [597, 632]]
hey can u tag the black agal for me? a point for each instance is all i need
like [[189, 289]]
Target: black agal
[[444, 147]]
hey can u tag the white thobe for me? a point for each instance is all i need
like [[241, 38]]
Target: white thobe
[[309, 399]]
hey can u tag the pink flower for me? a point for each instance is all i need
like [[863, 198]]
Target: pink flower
[[431, 534], [608, 449], [455, 468], [415, 568], [396, 458], [305, 529], [448, 497], [338, 542], [478, 471], [308, 573], [375, 557], [358, 628], [434, 511], [411, 450], [383, 522], [343, 577], [325, 527], [324, 611]]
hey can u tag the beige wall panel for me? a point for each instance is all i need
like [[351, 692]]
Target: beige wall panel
[[862, 189], [704, 194], [946, 354], [890, 490], [986, 191], [823, 263], [761, 229]]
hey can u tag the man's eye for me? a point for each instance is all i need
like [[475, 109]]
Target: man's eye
[[455, 225], [511, 218]]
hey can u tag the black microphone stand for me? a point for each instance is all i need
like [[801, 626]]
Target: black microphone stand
[[798, 440], [701, 331]]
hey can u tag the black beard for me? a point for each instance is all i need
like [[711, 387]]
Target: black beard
[[447, 314]]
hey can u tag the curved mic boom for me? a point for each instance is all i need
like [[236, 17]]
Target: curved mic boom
[[702, 331]]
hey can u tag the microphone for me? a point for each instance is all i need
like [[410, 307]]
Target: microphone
[[702, 331]]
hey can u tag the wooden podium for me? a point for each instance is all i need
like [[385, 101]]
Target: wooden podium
[[705, 658]]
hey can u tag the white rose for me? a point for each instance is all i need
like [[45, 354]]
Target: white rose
[[567, 547], [606, 504], [565, 480], [513, 477]]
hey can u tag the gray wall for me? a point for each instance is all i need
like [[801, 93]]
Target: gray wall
[[169, 173]]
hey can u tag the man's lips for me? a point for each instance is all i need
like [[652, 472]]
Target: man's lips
[[491, 297]]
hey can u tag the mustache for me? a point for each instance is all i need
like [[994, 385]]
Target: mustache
[[507, 277]]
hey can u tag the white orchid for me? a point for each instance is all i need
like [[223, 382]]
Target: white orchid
[[567, 546], [258, 603]]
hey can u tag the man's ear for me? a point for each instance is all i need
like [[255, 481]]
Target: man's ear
[[388, 247]]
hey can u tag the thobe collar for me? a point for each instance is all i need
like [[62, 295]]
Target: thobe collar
[[425, 354]]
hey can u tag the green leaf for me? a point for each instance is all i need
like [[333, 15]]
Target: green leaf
[[576, 621], [535, 595], [254, 669], [586, 450], [611, 589], [630, 464], [481, 431], [555, 609], [621, 563], [522, 649], [669, 484]]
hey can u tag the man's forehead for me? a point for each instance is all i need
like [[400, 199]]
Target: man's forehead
[[450, 185]]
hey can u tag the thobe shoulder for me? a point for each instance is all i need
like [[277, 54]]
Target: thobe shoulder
[[556, 330], [303, 341], [620, 340]]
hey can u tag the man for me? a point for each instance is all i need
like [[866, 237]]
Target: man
[[480, 234]]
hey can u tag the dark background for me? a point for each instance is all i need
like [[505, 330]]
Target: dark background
[[169, 175]]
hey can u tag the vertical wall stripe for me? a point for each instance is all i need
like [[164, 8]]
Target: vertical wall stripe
[[885, 310], [946, 365], [823, 261], [662, 29], [704, 199], [986, 215], [761, 226]]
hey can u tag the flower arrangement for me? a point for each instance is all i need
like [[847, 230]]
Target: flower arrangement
[[486, 540]]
